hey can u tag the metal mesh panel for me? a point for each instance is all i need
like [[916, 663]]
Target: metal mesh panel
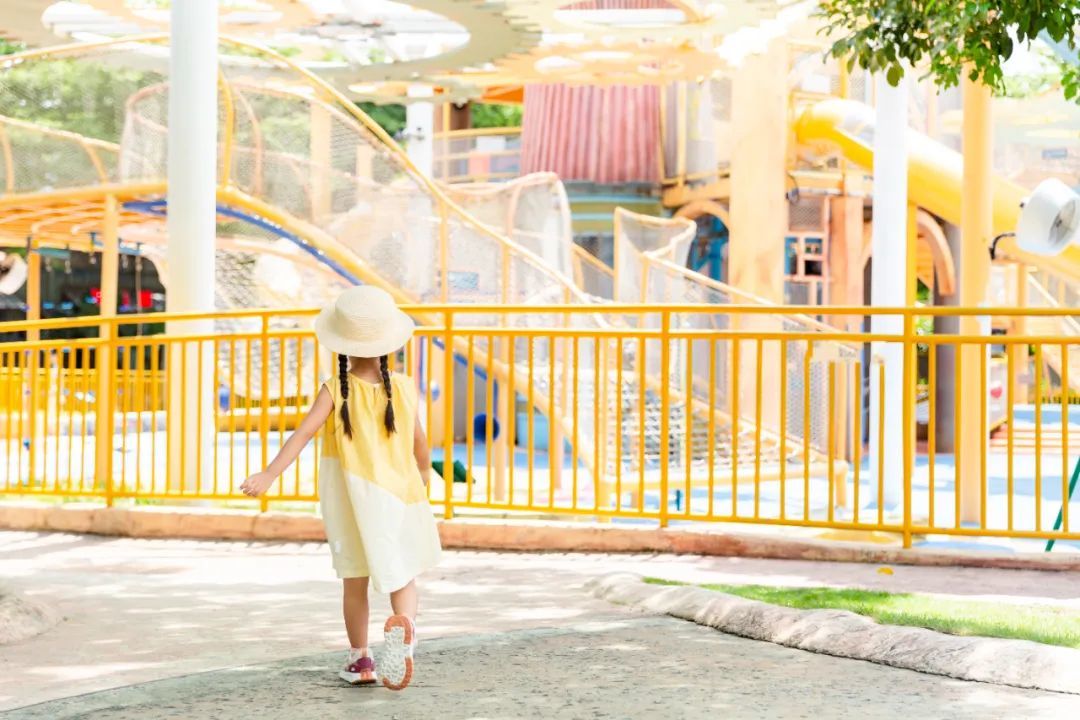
[[809, 214], [482, 157], [61, 118], [533, 211]]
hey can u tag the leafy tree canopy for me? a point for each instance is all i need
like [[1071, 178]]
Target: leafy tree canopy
[[390, 118], [495, 115], [953, 38]]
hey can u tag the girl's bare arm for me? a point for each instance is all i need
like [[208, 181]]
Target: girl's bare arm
[[421, 452], [320, 410]]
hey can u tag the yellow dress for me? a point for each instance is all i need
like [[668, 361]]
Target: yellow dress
[[374, 504]]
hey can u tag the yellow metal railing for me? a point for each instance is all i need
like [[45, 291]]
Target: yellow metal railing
[[651, 433], [477, 155], [92, 148]]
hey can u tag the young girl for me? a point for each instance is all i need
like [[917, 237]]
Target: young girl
[[372, 478]]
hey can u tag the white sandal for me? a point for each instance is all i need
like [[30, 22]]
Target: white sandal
[[396, 661]]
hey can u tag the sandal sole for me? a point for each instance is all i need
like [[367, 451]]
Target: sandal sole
[[396, 662]]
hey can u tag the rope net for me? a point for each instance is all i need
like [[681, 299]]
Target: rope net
[[312, 197]]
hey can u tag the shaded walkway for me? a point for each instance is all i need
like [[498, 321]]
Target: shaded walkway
[[643, 667], [167, 616]]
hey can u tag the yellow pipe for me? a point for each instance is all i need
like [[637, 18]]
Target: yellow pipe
[[65, 195], [63, 134], [476, 132], [448, 418], [99, 167], [110, 265], [228, 129], [976, 229], [9, 165]]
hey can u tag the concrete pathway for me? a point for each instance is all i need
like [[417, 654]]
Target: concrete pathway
[[219, 629]]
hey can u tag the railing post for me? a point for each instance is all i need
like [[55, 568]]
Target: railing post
[[910, 397], [444, 254], [106, 357], [31, 362], [264, 401], [103, 420], [665, 408], [448, 415]]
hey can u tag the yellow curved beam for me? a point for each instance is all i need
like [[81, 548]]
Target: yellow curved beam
[[9, 159], [696, 208], [944, 264]]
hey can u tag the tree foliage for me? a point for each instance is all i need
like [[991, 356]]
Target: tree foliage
[[495, 115], [952, 38], [390, 118], [1070, 82]]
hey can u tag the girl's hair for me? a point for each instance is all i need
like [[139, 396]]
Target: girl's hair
[[343, 378], [388, 419]]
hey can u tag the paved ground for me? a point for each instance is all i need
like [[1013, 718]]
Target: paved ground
[[630, 668], [228, 630]]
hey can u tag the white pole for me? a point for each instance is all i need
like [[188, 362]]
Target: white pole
[[423, 249], [420, 129], [192, 197], [888, 276]]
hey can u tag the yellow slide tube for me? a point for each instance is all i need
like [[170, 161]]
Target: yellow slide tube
[[935, 173]]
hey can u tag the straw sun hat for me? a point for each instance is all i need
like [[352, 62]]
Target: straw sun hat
[[363, 321]]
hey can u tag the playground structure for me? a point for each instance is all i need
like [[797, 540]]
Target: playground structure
[[644, 389], [280, 248]]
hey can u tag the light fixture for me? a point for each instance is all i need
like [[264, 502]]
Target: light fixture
[[1049, 219], [13, 273]]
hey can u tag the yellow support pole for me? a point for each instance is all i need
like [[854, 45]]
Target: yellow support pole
[[976, 215], [448, 417], [665, 409], [320, 173], [909, 399], [1020, 327], [759, 210], [264, 400], [444, 254], [910, 373], [110, 265], [555, 421], [912, 257], [35, 429], [503, 450]]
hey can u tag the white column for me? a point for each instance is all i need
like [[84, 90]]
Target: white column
[[420, 126], [423, 241], [192, 176], [888, 278]]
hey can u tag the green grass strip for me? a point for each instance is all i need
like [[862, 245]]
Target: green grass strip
[[1039, 623]]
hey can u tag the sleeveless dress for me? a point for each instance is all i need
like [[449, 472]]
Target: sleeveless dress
[[374, 504]]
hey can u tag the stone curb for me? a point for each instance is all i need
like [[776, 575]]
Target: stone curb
[[518, 534], [22, 619], [1018, 663]]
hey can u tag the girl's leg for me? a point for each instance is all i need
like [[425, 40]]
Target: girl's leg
[[405, 601], [355, 608]]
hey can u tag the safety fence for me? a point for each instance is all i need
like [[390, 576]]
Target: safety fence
[[659, 414], [477, 155]]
